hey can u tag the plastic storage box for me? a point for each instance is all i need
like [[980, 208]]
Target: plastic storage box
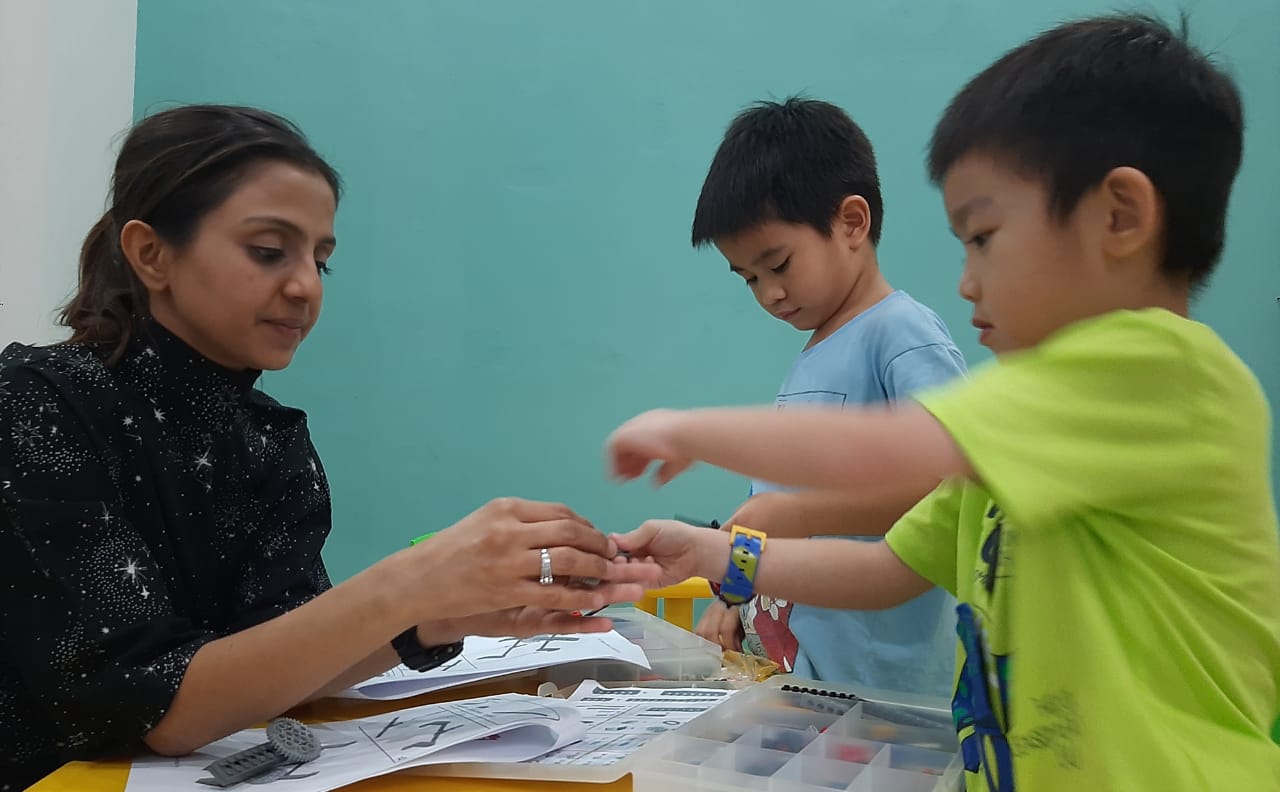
[[784, 736], [675, 654]]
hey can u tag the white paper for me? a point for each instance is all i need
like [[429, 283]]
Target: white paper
[[621, 721], [506, 728], [486, 658]]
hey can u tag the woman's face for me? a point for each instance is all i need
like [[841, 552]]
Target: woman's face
[[247, 288]]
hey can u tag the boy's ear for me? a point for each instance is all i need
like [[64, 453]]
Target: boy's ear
[[146, 254], [853, 220], [1134, 212]]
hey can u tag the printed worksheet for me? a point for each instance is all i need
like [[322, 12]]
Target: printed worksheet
[[487, 658], [506, 728], [621, 721]]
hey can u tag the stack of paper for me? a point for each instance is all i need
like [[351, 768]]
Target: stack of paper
[[506, 728], [486, 658], [621, 721]]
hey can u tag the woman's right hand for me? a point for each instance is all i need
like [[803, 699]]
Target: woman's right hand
[[722, 624], [490, 560]]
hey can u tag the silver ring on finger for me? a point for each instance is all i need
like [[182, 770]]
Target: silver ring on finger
[[545, 577]]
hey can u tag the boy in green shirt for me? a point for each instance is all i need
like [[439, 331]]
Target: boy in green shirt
[[1103, 510]]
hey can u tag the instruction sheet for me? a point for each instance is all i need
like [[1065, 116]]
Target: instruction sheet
[[487, 658], [505, 728]]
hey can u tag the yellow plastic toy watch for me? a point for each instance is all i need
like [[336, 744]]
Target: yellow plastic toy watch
[[739, 581]]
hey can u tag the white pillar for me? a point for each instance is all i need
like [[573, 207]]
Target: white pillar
[[66, 95]]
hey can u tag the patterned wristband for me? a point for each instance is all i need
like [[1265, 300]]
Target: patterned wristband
[[739, 581]]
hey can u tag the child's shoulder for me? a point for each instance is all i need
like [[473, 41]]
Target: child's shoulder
[[899, 321], [1154, 340], [901, 344], [900, 306], [1176, 366], [898, 309]]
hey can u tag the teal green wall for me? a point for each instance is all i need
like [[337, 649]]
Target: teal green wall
[[514, 275]]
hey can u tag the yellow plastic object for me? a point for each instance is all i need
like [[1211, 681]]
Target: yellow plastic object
[[677, 601]]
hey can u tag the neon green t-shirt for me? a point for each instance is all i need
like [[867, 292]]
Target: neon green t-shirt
[[1118, 567]]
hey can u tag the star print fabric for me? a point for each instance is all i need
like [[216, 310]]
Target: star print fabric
[[145, 510]]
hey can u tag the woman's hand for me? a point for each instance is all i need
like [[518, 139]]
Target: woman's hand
[[491, 561]]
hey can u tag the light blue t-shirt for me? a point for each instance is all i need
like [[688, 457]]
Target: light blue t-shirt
[[893, 349]]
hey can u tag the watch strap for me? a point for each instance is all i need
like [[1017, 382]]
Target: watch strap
[[423, 658], [739, 582]]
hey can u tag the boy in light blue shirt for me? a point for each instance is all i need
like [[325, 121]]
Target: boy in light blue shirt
[[792, 200]]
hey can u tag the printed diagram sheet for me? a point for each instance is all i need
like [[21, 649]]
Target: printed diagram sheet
[[621, 721], [505, 728], [486, 658]]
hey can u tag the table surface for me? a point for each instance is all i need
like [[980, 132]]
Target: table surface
[[112, 776]]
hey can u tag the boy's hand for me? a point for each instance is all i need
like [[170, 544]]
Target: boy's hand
[[683, 551], [647, 438], [722, 624]]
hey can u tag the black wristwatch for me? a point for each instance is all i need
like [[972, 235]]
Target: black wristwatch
[[423, 658]]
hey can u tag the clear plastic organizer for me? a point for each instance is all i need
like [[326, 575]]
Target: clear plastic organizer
[[790, 735], [674, 654]]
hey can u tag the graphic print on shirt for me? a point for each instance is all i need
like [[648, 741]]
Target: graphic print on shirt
[[981, 702], [1048, 721], [767, 631]]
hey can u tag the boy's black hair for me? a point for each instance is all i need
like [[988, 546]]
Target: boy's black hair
[[1096, 94], [794, 161]]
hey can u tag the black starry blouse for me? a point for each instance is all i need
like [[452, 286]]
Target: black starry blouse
[[145, 510]]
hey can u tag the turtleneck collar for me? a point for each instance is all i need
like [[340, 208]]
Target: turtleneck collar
[[152, 343]]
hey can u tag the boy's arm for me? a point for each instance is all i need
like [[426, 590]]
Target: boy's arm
[[832, 573], [823, 512], [898, 452], [829, 573]]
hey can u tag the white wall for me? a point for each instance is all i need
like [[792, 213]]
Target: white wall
[[66, 95]]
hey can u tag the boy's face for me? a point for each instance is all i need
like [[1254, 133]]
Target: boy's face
[[795, 273], [1026, 273]]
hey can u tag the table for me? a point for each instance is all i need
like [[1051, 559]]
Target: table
[[112, 776]]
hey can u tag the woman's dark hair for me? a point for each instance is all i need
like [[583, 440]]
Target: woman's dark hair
[[174, 168]]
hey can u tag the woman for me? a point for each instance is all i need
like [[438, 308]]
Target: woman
[[161, 520]]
